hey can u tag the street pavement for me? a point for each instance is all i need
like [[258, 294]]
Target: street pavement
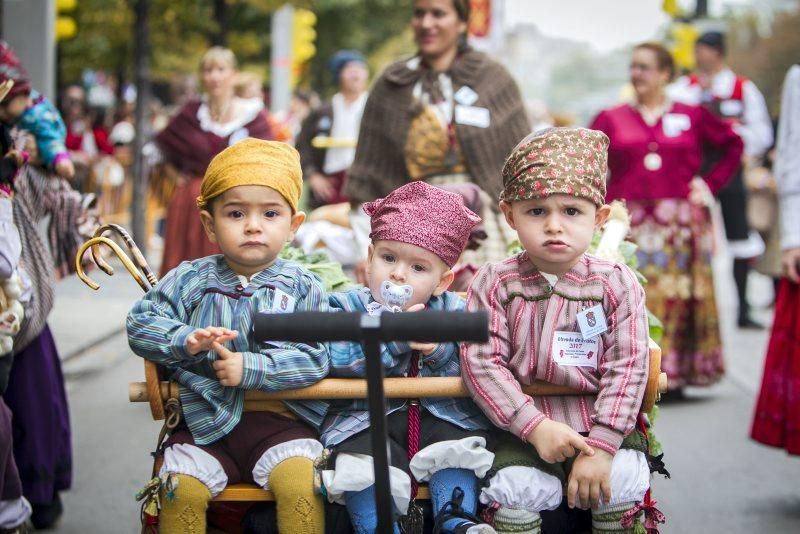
[[721, 480]]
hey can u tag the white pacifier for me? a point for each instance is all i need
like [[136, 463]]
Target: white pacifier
[[394, 296]]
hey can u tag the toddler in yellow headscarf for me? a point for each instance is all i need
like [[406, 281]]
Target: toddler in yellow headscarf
[[248, 202]]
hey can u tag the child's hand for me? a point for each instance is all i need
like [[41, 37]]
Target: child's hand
[[555, 442], [65, 168], [589, 480], [229, 366], [201, 339], [425, 348]]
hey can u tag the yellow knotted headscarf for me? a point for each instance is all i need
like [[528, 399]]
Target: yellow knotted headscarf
[[254, 162]]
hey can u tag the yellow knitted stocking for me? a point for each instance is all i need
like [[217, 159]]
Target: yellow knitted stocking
[[183, 511], [300, 510]]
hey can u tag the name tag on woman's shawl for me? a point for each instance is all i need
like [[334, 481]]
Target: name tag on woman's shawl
[[473, 116]]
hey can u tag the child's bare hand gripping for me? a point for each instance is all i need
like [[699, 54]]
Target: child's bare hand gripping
[[201, 339], [229, 365], [555, 442], [589, 481], [425, 348]]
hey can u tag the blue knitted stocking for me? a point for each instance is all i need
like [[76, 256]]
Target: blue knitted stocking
[[363, 511]]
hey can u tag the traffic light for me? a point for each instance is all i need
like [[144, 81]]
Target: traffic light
[[671, 8], [66, 27], [684, 36], [303, 36]]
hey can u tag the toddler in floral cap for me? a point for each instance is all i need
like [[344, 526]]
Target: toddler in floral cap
[[562, 316]]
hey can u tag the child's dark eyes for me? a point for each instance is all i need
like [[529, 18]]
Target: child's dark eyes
[[572, 211], [417, 268], [235, 214], [269, 214], [536, 211], [388, 258]]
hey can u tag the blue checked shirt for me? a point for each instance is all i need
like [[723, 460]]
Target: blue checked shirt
[[347, 418], [206, 292]]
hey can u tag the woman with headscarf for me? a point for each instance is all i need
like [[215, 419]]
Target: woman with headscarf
[[199, 131], [654, 162], [450, 114]]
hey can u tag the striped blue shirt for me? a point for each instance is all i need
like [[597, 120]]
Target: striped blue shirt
[[349, 417], [206, 292]]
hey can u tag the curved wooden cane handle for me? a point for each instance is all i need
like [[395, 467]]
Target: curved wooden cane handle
[[126, 261], [135, 252]]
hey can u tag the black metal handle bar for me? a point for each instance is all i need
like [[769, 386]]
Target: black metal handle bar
[[425, 326]]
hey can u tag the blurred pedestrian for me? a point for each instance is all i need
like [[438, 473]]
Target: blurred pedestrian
[[36, 394], [198, 132], [327, 139], [448, 114], [738, 101], [248, 85], [777, 414], [27, 109], [14, 294], [654, 165], [302, 103]]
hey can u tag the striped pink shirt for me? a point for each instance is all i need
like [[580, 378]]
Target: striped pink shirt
[[525, 311]]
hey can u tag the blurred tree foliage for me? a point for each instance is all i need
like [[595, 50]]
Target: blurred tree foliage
[[181, 31], [376, 28], [765, 59]]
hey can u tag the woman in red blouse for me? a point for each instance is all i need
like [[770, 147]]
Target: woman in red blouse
[[654, 158]]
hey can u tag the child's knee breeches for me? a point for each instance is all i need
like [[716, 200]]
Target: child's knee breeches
[[271, 451], [445, 446], [250, 453]]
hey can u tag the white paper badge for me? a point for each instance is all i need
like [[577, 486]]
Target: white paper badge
[[466, 96], [674, 124], [282, 302], [592, 322], [570, 348], [473, 116]]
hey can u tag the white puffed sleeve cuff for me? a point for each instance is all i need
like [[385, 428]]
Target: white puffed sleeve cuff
[[304, 448], [467, 453], [630, 477], [354, 472], [524, 488], [186, 459], [14, 512]]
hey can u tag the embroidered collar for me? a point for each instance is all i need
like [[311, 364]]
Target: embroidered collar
[[245, 111], [231, 279]]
